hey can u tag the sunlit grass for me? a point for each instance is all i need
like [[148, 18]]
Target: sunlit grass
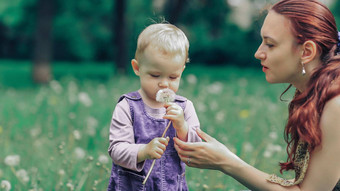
[[60, 131]]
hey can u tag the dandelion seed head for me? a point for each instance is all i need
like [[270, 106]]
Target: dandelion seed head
[[103, 159], [248, 147], [79, 153], [5, 185], [61, 172], [85, 99], [165, 95], [22, 175], [76, 134], [12, 160], [273, 135], [35, 132], [191, 78], [56, 87]]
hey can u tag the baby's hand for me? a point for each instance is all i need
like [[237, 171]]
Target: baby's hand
[[154, 149], [175, 113]]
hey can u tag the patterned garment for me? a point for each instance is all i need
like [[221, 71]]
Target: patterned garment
[[300, 168]]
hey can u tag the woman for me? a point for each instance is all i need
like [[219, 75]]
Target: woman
[[301, 46]]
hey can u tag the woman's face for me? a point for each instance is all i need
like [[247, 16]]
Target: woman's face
[[279, 53]]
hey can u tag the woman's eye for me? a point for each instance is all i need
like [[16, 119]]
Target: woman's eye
[[270, 45]]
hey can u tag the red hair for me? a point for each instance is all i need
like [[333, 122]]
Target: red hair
[[311, 20]]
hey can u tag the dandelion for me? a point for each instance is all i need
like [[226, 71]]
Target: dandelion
[[191, 79], [76, 134], [85, 99], [61, 172], [12, 160], [35, 132], [220, 116], [103, 159], [70, 186], [79, 153], [56, 87], [164, 96], [248, 147], [92, 124], [273, 135], [5, 185], [22, 175], [215, 88]]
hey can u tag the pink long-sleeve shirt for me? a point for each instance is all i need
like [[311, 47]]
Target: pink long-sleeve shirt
[[123, 149]]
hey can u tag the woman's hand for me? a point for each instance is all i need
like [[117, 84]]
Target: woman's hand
[[210, 154]]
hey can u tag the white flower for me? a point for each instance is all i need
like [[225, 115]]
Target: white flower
[[35, 132], [92, 124], [165, 95], [61, 172], [79, 153], [22, 174], [56, 87], [273, 135], [12, 160], [77, 134], [5, 185], [191, 79], [85, 99], [215, 88], [103, 159], [220, 116], [70, 186], [248, 147]]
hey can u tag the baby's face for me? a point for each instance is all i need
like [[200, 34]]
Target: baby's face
[[158, 71]]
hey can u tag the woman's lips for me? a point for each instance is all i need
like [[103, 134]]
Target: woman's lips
[[264, 68]]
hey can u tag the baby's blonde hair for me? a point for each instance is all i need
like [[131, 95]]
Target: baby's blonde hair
[[166, 37]]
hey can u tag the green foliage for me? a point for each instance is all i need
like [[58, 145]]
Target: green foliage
[[60, 131]]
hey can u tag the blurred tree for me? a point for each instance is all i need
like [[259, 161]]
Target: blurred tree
[[43, 42], [174, 9], [121, 56]]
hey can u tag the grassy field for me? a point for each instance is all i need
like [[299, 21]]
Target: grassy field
[[55, 136]]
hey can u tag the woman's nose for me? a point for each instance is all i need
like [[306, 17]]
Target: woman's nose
[[259, 54]]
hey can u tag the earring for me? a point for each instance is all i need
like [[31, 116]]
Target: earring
[[303, 69]]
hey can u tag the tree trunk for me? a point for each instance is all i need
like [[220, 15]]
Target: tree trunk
[[119, 29], [43, 42], [174, 9]]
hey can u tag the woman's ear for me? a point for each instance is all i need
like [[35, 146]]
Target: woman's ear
[[309, 51], [135, 66]]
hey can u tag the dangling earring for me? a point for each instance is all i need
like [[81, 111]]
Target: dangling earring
[[303, 69]]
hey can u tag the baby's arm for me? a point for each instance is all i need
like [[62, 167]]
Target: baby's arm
[[123, 149], [185, 122]]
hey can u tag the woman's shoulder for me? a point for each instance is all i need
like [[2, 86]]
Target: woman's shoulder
[[330, 119]]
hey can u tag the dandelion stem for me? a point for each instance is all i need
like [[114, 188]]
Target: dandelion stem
[[154, 160]]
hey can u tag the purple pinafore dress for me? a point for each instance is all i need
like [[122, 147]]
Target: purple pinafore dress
[[168, 174]]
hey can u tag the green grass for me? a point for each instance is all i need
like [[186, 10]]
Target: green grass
[[60, 130]]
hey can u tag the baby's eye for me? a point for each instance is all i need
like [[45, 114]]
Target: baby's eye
[[154, 75], [173, 77]]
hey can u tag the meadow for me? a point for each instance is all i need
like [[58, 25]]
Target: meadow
[[55, 136]]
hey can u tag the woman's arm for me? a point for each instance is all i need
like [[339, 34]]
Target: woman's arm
[[212, 154]]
